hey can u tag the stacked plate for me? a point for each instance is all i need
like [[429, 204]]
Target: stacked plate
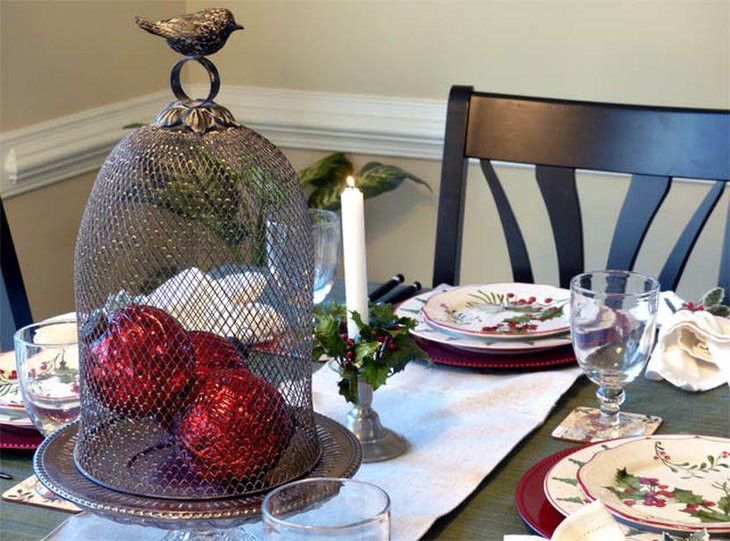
[[492, 319], [673, 483]]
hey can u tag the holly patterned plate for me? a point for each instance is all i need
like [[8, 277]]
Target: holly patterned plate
[[412, 308], [500, 311], [675, 483]]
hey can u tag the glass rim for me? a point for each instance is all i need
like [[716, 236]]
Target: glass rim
[[17, 335], [344, 480], [330, 218], [655, 289]]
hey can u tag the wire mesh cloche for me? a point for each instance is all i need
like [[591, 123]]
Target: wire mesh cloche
[[193, 280]]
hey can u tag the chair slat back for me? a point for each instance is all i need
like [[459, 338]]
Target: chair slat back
[[645, 196], [653, 144], [12, 279]]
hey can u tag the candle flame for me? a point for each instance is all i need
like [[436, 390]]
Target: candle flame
[[350, 180]]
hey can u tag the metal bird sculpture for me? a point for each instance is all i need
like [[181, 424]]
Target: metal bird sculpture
[[197, 34]]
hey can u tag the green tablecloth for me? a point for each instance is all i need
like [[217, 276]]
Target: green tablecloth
[[490, 511]]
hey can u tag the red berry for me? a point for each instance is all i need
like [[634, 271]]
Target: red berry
[[510, 295], [392, 346], [531, 300], [709, 504], [700, 309], [629, 502], [548, 300]]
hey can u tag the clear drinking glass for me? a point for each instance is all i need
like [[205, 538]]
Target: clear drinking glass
[[326, 235], [47, 359], [612, 321], [327, 508]]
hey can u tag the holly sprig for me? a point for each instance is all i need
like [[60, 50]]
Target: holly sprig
[[383, 348], [635, 490], [710, 302]]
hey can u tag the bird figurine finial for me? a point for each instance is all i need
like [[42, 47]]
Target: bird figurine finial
[[196, 34]]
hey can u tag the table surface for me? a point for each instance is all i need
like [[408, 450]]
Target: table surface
[[489, 512]]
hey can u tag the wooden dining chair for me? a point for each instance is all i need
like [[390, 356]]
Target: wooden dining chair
[[653, 144], [14, 300]]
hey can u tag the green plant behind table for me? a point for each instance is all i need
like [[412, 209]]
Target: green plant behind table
[[326, 179], [385, 345]]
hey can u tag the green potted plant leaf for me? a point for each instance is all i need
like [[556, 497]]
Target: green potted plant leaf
[[326, 179]]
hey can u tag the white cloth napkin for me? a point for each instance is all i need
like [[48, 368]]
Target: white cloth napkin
[[692, 352], [591, 522]]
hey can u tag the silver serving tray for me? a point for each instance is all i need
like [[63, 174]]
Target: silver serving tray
[[54, 466]]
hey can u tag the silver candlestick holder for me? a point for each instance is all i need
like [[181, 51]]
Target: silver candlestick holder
[[378, 443]]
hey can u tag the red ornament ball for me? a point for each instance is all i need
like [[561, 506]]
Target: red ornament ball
[[142, 362], [213, 353], [238, 426]]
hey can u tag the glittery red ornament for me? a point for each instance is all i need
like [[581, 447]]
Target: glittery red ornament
[[238, 425], [213, 353], [142, 362]]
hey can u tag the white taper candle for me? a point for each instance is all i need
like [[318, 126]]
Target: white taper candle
[[354, 252]]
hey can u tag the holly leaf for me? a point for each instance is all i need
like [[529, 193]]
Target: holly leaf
[[348, 384], [327, 339], [518, 319], [406, 350], [376, 178], [719, 310], [626, 480], [365, 351], [375, 374], [686, 496], [551, 313], [713, 297]]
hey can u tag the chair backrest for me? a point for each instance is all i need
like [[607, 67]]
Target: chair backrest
[[12, 297], [653, 144]]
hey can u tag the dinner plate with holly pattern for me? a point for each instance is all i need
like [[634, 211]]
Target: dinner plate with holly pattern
[[675, 483], [412, 308], [500, 311]]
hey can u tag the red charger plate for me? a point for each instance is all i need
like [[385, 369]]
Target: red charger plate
[[532, 504], [19, 438], [541, 359]]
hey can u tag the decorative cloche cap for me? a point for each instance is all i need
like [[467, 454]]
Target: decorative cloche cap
[[195, 35]]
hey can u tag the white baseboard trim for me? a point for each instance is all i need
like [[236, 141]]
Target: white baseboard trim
[[44, 153]]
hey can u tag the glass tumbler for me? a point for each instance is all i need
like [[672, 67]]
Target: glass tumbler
[[47, 358], [326, 236], [612, 321], [327, 508]]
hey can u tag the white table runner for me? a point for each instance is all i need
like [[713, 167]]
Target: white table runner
[[460, 424]]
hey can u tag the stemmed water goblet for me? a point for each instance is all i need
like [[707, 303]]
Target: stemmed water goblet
[[612, 320], [326, 237], [47, 360]]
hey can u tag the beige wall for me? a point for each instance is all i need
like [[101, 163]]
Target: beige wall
[[61, 57], [656, 52], [44, 225]]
